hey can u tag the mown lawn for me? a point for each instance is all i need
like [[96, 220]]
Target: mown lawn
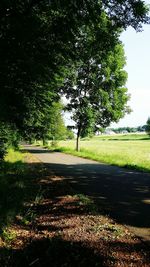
[[132, 150]]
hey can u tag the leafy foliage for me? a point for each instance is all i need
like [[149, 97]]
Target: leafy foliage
[[96, 91], [8, 137], [39, 41], [48, 125], [148, 126], [129, 129], [57, 129]]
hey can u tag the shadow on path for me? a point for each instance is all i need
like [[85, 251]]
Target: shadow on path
[[123, 197], [123, 194]]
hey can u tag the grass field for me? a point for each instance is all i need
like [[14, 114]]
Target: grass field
[[130, 150]]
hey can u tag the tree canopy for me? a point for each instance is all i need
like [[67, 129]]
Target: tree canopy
[[96, 90], [38, 45], [38, 38]]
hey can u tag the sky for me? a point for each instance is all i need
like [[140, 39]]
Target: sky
[[137, 51]]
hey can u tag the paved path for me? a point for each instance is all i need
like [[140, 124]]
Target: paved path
[[123, 194]]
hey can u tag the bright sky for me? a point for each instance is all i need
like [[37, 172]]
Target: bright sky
[[137, 50]]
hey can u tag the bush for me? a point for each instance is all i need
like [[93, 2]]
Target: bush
[[9, 137]]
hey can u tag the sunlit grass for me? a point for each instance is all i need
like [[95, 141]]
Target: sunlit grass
[[14, 162], [126, 137], [131, 151], [14, 156], [15, 187]]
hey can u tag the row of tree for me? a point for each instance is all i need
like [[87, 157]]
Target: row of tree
[[147, 128], [140, 129], [130, 129], [70, 48]]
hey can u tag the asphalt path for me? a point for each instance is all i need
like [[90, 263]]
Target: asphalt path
[[122, 194]]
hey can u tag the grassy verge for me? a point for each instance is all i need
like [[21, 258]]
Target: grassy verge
[[16, 187], [130, 151]]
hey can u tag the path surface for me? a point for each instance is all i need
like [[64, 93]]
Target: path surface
[[123, 194]]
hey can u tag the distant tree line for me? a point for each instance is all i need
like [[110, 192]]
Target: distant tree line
[[129, 129], [147, 128]]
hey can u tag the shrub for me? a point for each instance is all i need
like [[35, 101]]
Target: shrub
[[8, 137]]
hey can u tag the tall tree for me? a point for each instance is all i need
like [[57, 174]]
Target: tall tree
[[96, 90], [57, 128]]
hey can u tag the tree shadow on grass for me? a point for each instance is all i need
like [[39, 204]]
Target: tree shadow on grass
[[57, 252], [17, 186], [54, 252]]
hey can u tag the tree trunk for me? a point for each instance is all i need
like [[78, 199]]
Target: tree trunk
[[77, 144], [44, 141], [78, 139]]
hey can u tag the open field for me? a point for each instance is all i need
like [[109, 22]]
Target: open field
[[130, 150]]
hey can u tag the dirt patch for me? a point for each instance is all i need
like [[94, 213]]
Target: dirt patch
[[62, 228]]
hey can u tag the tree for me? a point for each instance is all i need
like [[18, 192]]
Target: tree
[[48, 125], [57, 129], [96, 91], [148, 126], [38, 39]]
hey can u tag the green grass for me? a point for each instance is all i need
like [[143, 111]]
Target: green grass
[[124, 137], [14, 156], [16, 187], [14, 163], [131, 151]]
